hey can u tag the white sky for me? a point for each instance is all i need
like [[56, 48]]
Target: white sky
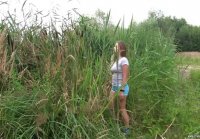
[[188, 9]]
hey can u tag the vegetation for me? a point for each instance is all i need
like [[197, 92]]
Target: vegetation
[[56, 84], [186, 36]]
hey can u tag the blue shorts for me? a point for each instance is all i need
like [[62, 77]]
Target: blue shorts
[[118, 89]]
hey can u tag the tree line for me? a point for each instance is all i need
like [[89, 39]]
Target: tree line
[[186, 36]]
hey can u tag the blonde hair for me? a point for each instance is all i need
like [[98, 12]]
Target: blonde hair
[[121, 47]]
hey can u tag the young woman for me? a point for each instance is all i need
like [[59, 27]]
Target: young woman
[[120, 74]]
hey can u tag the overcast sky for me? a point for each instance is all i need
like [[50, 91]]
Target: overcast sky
[[188, 9]]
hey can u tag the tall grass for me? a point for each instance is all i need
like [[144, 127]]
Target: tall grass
[[56, 84]]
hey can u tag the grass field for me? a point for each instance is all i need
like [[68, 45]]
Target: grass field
[[188, 94], [188, 58]]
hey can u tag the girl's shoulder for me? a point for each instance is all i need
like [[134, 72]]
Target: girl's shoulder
[[124, 60]]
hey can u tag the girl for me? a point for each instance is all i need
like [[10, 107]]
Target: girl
[[120, 74]]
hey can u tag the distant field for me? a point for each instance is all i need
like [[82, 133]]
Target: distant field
[[188, 63], [189, 54], [188, 58]]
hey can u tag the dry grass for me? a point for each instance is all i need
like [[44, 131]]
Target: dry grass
[[41, 119], [6, 65], [3, 52], [189, 54]]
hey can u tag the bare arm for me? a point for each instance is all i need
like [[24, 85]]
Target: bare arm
[[125, 74]]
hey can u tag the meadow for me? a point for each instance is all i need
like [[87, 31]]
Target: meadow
[[56, 84]]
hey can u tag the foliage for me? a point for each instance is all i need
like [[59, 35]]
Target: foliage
[[186, 36]]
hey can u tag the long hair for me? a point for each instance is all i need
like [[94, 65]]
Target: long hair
[[122, 48]]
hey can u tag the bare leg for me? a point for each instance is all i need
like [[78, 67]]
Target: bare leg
[[123, 110]]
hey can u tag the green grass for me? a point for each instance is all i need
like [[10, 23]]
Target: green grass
[[187, 100]]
